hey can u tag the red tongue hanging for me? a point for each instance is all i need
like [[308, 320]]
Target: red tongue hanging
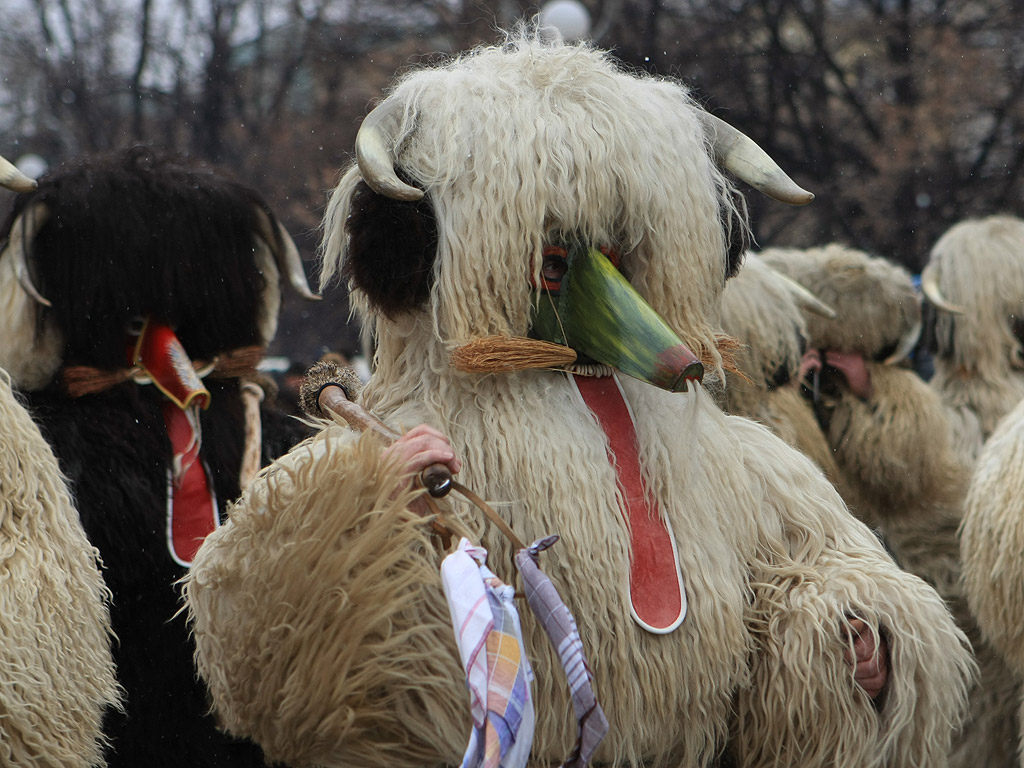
[[191, 505], [655, 581]]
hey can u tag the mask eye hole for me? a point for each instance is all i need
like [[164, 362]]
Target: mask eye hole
[[553, 267]]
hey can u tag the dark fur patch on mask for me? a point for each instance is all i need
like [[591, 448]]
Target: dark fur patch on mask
[[391, 251], [737, 232]]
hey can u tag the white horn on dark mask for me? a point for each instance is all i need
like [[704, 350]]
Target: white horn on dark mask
[[13, 179], [286, 255], [930, 288], [742, 157], [374, 143], [23, 232]]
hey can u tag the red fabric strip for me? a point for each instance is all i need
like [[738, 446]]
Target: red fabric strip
[[655, 581], [191, 505]]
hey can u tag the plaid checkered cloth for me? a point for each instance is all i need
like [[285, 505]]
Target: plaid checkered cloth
[[560, 626], [498, 673]]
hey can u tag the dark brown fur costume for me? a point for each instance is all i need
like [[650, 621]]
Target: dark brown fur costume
[[139, 235]]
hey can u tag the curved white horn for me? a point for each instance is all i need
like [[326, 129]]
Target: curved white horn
[[805, 298], [287, 256], [906, 345], [741, 156], [24, 230], [374, 143], [930, 288], [13, 179]]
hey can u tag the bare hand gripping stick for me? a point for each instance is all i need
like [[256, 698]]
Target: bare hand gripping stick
[[330, 387]]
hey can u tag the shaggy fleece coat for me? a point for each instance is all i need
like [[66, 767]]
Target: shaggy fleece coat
[[58, 674], [760, 311], [900, 470], [323, 633], [319, 620], [992, 539], [114, 448], [978, 265]]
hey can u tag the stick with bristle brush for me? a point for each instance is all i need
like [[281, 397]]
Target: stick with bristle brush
[[329, 388]]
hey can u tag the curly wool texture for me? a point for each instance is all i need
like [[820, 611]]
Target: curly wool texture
[[897, 457], [298, 642], [765, 517], [898, 444], [902, 472], [759, 310], [992, 539], [978, 265], [54, 622], [875, 301], [788, 620]]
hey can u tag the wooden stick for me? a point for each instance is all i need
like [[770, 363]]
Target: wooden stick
[[332, 388]]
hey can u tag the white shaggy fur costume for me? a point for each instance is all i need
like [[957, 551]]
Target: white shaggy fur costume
[[320, 624], [978, 266], [57, 672], [899, 467], [991, 542], [761, 311]]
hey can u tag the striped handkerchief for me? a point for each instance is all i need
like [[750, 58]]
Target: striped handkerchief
[[560, 626], [491, 646]]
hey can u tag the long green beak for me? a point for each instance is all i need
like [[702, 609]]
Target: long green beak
[[597, 312]]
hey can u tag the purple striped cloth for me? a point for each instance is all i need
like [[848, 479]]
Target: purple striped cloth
[[560, 626]]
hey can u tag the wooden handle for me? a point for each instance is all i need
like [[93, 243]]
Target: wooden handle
[[436, 478]]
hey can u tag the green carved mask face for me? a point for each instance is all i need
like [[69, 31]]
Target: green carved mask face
[[585, 303]]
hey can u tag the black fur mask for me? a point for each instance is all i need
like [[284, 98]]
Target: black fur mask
[[137, 235], [392, 249]]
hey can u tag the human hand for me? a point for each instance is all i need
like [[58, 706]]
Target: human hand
[[868, 658], [809, 363], [420, 448], [853, 368]]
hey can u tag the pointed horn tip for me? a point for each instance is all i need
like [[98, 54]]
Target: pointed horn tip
[[16, 181], [931, 291], [800, 197], [785, 190], [22, 185], [824, 310], [301, 287]]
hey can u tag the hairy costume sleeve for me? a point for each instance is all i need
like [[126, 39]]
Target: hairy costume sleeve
[[320, 594], [58, 674], [896, 452], [992, 536], [815, 567], [897, 444]]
